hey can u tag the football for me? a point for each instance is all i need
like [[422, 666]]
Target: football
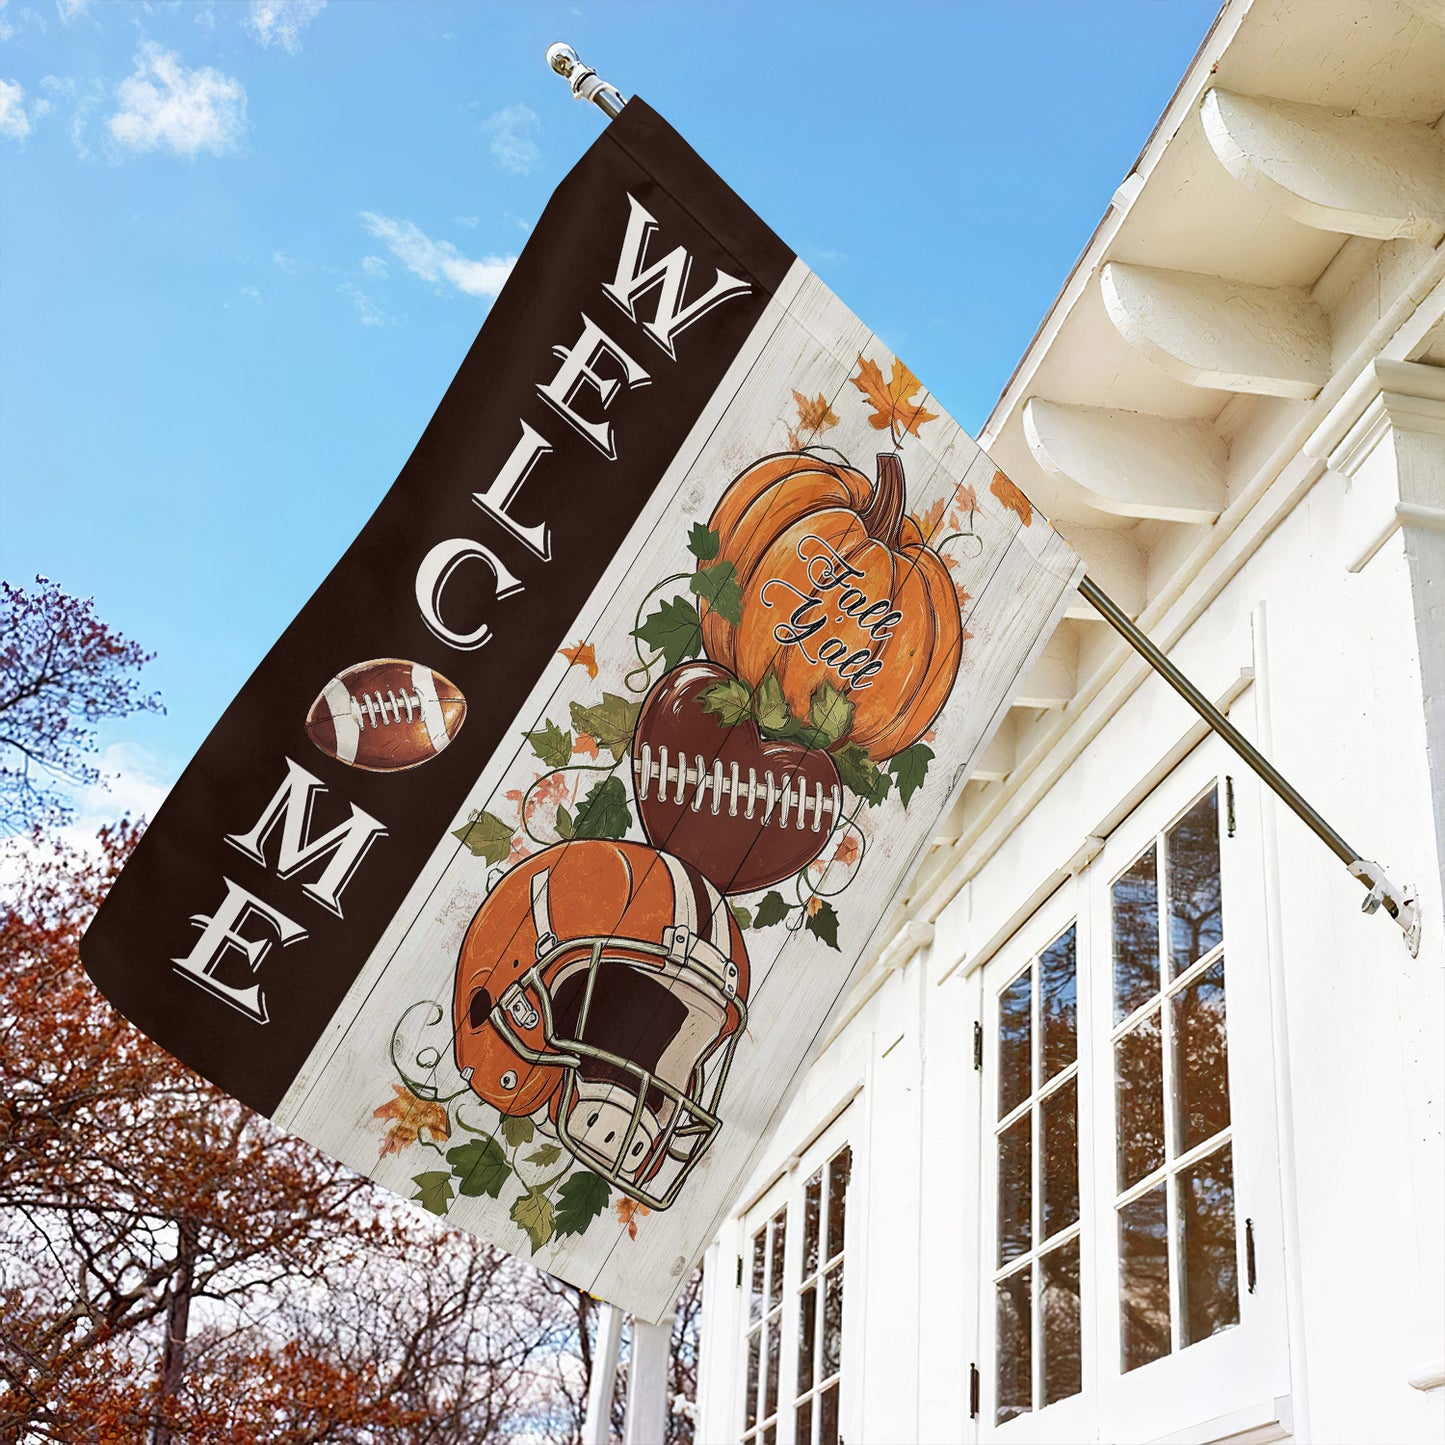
[[386, 715], [746, 811]]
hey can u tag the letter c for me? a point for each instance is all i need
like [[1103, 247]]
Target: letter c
[[435, 572]]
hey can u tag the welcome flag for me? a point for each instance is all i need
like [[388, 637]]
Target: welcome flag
[[526, 871]]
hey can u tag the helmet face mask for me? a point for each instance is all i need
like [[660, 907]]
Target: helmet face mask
[[630, 1038]]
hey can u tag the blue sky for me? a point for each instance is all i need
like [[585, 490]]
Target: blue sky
[[244, 244]]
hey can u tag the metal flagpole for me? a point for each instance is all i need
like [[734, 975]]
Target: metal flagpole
[[1399, 902]]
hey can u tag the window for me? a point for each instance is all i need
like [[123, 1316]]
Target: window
[[1037, 1142], [794, 1325], [1177, 1282], [1131, 1231]]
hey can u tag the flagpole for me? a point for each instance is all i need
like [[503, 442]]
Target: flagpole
[[1398, 902]]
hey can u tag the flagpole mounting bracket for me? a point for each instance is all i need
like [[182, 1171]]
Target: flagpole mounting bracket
[[585, 82], [1400, 901]]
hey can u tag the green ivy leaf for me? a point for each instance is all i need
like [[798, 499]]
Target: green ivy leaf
[[487, 836], [533, 1212], [565, 826], [583, 1197], [770, 706], [861, 776], [703, 543], [552, 745], [611, 722], [603, 813], [773, 909], [743, 916], [480, 1166], [544, 1155], [517, 1131], [824, 924], [718, 587], [434, 1190], [729, 699], [909, 768], [674, 630], [830, 715]]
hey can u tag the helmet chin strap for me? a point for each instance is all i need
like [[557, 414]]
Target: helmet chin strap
[[541, 913]]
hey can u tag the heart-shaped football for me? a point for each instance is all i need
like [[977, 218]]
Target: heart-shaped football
[[745, 810]]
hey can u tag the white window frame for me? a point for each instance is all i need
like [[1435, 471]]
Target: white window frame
[[1248, 1363], [790, 1190]]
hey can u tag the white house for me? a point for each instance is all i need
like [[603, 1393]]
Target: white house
[[1133, 1132]]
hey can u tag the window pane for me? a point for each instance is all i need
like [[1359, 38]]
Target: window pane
[[1207, 1258], [1059, 1123], [840, 1167], [1143, 1280], [1063, 1368], [755, 1295], [828, 1417], [1014, 1067], [807, 1330], [775, 1268], [1015, 1232], [1058, 1004], [832, 1323], [1139, 1100], [770, 1383], [770, 1435], [812, 1206], [1015, 1342], [804, 1433], [752, 1398], [1136, 936], [1195, 921], [1201, 1058]]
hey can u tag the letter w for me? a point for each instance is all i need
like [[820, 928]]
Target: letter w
[[344, 846], [668, 277]]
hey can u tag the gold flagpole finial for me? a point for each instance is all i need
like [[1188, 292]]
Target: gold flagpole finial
[[585, 83]]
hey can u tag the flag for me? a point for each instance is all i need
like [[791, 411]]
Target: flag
[[527, 870]]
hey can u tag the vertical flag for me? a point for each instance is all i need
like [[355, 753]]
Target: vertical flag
[[526, 871]]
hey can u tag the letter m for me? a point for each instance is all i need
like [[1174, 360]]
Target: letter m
[[343, 847], [668, 277]]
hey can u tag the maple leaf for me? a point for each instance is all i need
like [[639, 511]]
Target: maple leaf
[[481, 1166], [627, 1212], [551, 744], [814, 415], [909, 768], [861, 776], [703, 542], [533, 1213], [964, 598], [893, 409], [730, 699], [744, 916], [409, 1116], [674, 629], [846, 852], [434, 1190], [822, 923], [517, 1131], [545, 1154], [717, 585], [611, 722], [928, 522], [603, 813], [487, 836], [965, 501], [582, 656], [582, 1198], [585, 743], [773, 909], [1010, 497]]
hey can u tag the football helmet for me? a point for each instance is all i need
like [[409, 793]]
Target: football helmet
[[607, 983]]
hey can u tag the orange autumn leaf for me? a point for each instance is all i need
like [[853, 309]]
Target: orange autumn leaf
[[627, 1212], [927, 522], [893, 407], [409, 1116], [847, 851], [584, 743], [964, 599], [965, 499], [814, 904], [1010, 496], [814, 414], [929, 736], [582, 656]]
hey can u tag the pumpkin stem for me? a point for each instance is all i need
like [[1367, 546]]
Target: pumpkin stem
[[883, 516]]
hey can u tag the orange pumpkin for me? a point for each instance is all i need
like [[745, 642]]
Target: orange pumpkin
[[838, 587]]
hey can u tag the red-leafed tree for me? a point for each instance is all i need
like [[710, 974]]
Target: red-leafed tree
[[62, 670]]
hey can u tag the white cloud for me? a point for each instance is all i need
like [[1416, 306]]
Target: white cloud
[[374, 267], [69, 9], [370, 313], [251, 293], [6, 29], [439, 260], [14, 121], [282, 20], [470, 222], [164, 106], [513, 145]]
